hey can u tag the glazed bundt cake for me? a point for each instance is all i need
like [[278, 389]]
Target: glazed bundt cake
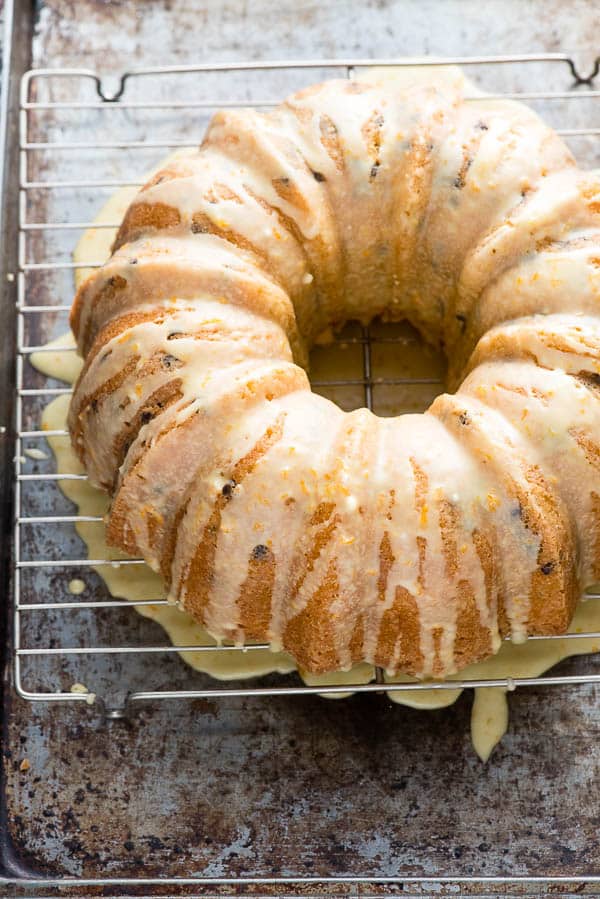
[[414, 543]]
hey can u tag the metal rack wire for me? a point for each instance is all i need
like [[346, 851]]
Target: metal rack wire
[[33, 233]]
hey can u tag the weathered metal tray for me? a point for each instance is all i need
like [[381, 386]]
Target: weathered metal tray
[[293, 795]]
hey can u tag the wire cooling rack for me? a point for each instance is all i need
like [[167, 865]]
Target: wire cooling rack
[[67, 170]]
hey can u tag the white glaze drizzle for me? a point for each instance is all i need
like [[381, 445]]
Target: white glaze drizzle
[[363, 146]]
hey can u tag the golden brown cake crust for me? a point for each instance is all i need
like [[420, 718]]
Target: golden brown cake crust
[[415, 543]]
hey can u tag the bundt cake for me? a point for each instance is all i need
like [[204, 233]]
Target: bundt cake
[[414, 543]]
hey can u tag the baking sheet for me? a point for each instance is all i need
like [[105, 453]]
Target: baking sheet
[[298, 787]]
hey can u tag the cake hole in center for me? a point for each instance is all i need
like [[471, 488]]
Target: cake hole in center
[[396, 373]]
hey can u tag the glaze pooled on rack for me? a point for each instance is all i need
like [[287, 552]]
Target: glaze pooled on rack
[[413, 543]]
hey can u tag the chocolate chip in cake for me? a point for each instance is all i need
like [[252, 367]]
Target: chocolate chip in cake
[[228, 488], [169, 361], [260, 552]]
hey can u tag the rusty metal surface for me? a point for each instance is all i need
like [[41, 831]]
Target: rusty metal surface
[[296, 787]]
